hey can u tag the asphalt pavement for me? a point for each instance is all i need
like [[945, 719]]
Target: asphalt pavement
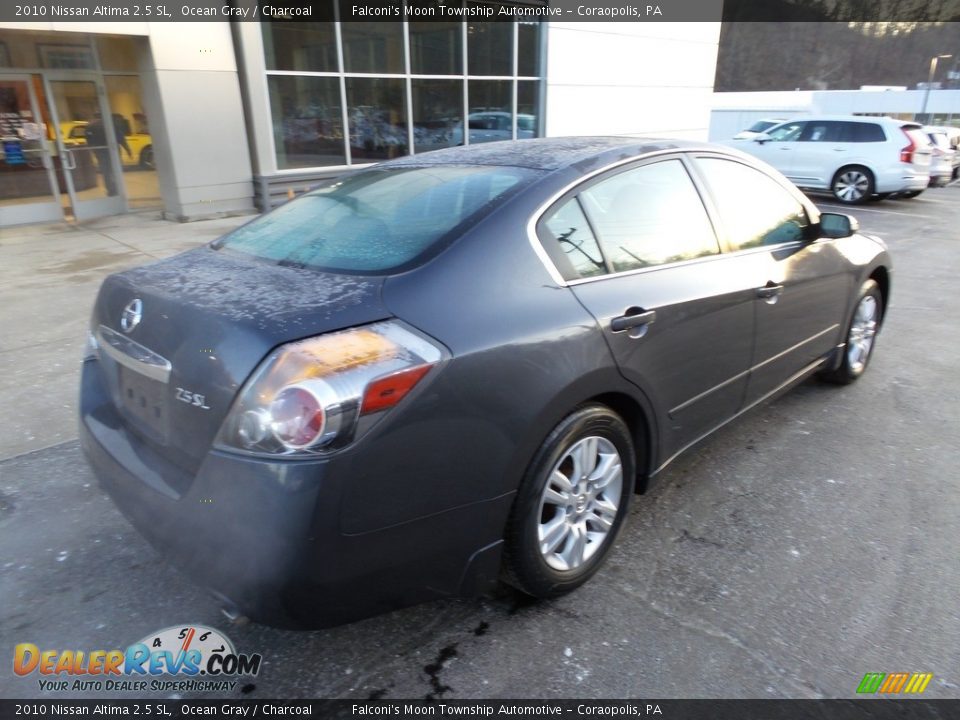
[[804, 545]]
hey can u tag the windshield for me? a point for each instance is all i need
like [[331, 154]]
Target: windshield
[[377, 220], [761, 125]]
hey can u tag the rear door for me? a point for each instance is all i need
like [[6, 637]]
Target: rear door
[[819, 151], [675, 312]]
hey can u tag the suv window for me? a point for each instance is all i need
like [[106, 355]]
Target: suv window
[[822, 131], [377, 221], [755, 209], [864, 132], [787, 131], [649, 215]]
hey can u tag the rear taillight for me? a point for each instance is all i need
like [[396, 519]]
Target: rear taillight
[[309, 397], [906, 154]]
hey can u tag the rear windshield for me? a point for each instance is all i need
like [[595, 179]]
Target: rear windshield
[[377, 221]]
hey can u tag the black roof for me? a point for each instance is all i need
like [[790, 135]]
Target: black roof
[[543, 153]]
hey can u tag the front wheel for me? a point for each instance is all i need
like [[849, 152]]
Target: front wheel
[[852, 185], [861, 335], [571, 504]]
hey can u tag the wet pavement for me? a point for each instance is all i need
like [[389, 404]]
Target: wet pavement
[[807, 543]]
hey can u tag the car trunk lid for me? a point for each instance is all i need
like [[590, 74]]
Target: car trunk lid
[[207, 319]]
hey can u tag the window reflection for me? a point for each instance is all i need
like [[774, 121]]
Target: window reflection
[[372, 47], [754, 208], [528, 102], [437, 113], [528, 48], [491, 115], [490, 48], [376, 108], [650, 216], [307, 121], [308, 46], [436, 48]]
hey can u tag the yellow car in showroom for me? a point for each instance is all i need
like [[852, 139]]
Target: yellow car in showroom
[[74, 132]]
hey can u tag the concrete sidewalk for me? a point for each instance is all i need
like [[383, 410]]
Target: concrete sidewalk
[[49, 276]]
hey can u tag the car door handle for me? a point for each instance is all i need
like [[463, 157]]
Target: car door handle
[[633, 318], [769, 291]]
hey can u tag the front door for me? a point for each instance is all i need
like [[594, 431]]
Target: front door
[[28, 187], [801, 289], [88, 140]]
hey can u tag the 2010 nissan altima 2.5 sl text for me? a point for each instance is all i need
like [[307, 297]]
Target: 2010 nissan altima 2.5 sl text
[[458, 367]]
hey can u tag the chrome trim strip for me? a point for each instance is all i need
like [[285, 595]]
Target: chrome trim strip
[[789, 381], [133, 355], [691, 401]]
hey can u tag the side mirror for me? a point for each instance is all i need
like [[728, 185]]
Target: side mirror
[[836, 225], [762, 138]]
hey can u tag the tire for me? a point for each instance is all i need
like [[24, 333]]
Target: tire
[[559, 533], [909, 194], [852, 185], [861, 335], [146, 158]]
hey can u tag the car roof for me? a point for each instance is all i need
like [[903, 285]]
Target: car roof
[[547, 153]]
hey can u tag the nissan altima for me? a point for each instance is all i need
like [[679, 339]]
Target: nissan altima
[[458, 367]]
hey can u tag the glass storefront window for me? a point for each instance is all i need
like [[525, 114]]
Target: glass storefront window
[[380, 63], [306, 46], [373, 47], [436, 48], [528, 105], [117, 53], [490, 48], [307, 121], [376, 108], [437, 114], [528, 49]]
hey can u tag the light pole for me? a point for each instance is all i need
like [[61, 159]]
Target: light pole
[[933, 69]]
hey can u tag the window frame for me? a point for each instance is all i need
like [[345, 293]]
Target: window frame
[[689, 158], [537, 223], [254, 47], [813, 215]]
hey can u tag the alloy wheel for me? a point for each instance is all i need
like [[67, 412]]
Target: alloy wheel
[[851, 186], [579, 503], [863, 330]]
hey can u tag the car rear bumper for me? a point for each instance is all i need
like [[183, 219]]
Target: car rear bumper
[[901, 179], [265, 536]]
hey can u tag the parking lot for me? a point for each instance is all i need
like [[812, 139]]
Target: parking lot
[[806, 544]]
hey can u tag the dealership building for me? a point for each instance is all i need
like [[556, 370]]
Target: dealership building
[[204, 119]]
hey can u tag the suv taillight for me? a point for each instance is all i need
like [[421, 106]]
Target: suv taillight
[[315, 395], [906, 154]]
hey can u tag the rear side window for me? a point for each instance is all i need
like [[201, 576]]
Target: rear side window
[[755, 209], [864, 132], [649, 215], [377, 221], [571, 242]]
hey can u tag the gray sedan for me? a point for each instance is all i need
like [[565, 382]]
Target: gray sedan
[[459, 366]]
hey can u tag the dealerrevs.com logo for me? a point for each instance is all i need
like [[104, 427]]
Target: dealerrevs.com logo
[[196, 657]]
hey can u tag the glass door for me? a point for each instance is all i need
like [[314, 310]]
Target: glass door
[[28, 183], [88, 138]]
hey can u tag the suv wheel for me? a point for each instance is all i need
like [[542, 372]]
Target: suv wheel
[[852, 185]]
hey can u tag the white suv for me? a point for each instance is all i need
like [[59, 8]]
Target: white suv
[[853, 157]]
